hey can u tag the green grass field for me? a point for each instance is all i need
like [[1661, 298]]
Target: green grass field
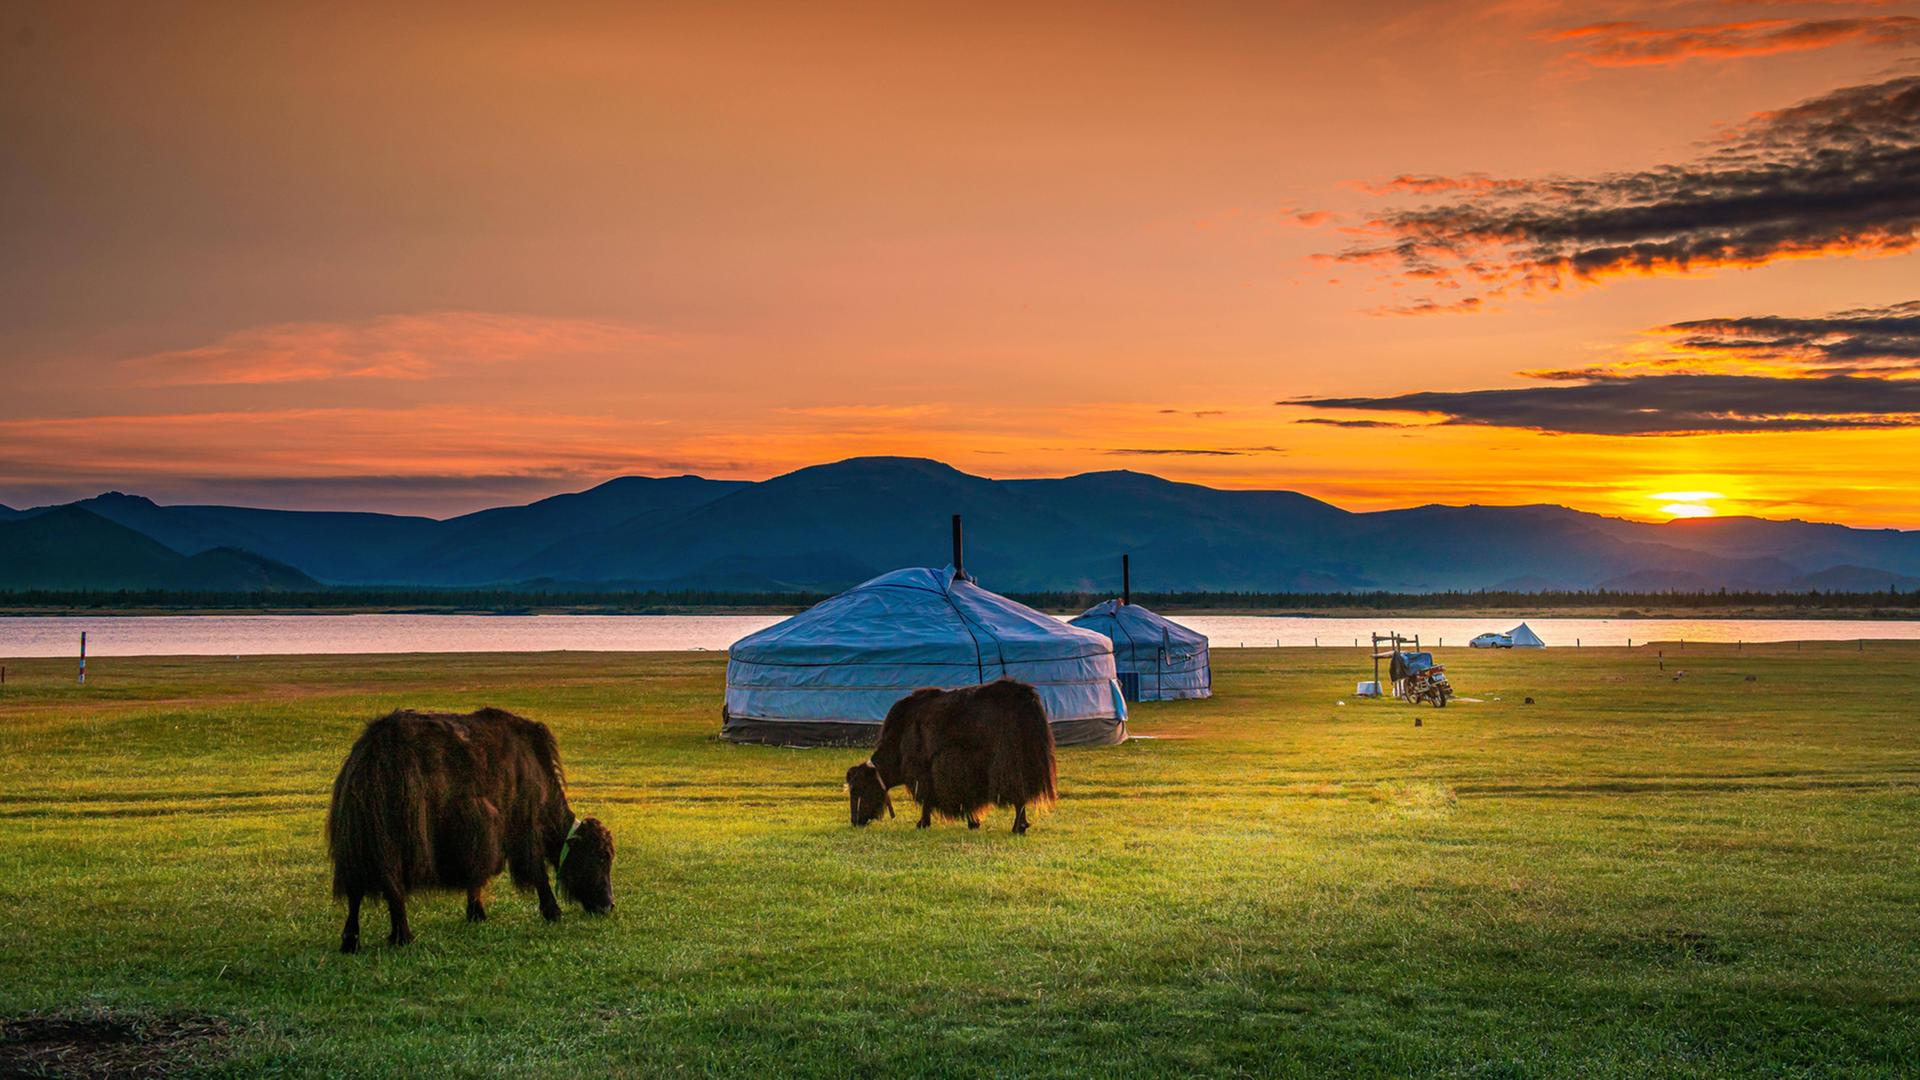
[[1634, 876]]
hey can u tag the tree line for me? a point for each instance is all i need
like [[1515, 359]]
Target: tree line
[[667, 601]]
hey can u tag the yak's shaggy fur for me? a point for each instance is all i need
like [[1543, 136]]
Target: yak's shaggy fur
[[958, 752], [445, 801]]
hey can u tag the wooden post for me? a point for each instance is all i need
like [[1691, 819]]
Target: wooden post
[[959, 562], [83, 658]]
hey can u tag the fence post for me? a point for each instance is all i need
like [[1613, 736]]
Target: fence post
[[83, 658]]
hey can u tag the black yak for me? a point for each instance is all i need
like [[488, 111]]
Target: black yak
[[444, 801], [958, 752]]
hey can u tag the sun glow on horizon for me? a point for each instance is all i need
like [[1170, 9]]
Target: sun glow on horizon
[[1687, 504]]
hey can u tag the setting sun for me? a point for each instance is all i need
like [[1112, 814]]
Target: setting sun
[[1687, 510], [1686, 504]]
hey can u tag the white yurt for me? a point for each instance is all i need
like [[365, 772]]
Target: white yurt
[[1156, 658], [827, 676], [1524, 638]]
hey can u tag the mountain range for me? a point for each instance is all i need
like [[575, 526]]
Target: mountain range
[[825, 527]]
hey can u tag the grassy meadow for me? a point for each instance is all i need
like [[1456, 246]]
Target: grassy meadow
[[1636, 875]]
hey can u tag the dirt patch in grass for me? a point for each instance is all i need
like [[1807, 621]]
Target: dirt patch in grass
[[108, 1044]]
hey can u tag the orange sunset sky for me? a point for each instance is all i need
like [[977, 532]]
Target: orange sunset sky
[[1647, 258]]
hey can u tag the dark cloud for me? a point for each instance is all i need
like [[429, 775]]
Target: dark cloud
[[1614, 404], [1635, 44], [1226, 451], [1864, 339], [1835, 174], [1197, 414]]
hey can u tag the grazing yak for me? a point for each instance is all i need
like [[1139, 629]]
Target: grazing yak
[[444, 801], [958, 752]]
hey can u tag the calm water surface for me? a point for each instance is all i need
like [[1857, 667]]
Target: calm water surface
[[238, 635]]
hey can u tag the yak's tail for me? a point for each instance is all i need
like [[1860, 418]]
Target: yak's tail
[[377, 827], [1025, 774]]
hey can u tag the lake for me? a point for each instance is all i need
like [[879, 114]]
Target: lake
[[241, 635]]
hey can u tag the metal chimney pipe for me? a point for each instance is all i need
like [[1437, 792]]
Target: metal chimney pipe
[[1126, 580], [959, 558]]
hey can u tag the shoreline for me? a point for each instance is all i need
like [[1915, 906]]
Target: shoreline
[[1775, 613]]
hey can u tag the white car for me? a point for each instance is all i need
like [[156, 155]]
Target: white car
[[1491, 641]]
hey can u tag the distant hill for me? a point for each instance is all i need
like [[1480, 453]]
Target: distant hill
[[507, 543], [72, 548], [331, 546], [829, 526], [1856, 579]]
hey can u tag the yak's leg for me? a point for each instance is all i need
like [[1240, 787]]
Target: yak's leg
[[973, 819], [529, 870], [350, 936], [401, 933], [926, 816], [1020, 819], [476, 910], [549, 907]]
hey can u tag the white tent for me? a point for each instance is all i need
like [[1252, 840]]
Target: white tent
[[1524, 638], [1169, 660], [828, 675]]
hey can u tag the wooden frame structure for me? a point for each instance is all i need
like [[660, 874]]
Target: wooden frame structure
[[1395, 643]]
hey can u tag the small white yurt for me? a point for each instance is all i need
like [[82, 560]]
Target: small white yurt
[[1156, 658], [1524, 638], [827, 676]]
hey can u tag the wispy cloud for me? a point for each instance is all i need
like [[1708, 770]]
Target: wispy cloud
[[1184, 451], [1859, 341], [1725, 375], [864, 412], [1328, 421], [332, 449], [408, 347], [1667, 404], [1882, 340], [1835, 175], [1637, 44]]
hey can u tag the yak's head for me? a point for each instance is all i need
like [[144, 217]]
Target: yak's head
[[585, 869], [867, 793]]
